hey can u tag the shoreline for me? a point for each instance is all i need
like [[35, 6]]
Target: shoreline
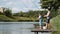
[[17, 22]]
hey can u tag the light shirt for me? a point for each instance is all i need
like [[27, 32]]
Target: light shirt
[[48, 13], [39, 17]]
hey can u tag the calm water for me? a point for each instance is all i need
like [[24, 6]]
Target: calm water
[[17, 28]]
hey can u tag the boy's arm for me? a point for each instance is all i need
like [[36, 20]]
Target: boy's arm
[[39, 17]]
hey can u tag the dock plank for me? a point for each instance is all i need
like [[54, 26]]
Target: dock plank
[[42, 30], [37, 30]]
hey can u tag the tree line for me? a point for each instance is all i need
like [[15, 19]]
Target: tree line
[[30, 13]]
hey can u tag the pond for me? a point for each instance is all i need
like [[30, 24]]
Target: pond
[[17, 28]]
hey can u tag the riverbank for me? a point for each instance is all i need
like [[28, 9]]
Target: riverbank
[[4, 18]]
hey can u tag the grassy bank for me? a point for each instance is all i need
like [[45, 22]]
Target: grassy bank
[[4, 18], [56, 22]]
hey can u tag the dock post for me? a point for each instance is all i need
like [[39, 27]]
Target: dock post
[[36, 32]]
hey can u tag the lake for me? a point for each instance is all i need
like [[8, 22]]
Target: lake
[[17, 28]]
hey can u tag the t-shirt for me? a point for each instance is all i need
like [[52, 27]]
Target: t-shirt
[[39, 17]]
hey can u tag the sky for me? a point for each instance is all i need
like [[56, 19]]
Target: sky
[[20, 5]]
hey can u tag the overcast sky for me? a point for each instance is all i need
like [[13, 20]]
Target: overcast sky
[[18, 5]]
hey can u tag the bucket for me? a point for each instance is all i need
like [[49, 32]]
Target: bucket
[[44, 27]]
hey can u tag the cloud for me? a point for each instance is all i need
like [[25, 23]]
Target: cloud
[[0, 6], [10, 3], [14, 10], [27, 3], [18, 5], [4, 0], [31, 4]]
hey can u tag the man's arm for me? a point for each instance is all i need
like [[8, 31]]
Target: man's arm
[[47, 13]]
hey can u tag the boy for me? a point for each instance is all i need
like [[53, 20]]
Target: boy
[[40, 21]]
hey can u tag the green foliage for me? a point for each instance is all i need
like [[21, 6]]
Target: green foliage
[[53, 4], [30, 14], [8, 12], [21, 14], [4, 18], [56, 22], [58, 11], [1, 13]]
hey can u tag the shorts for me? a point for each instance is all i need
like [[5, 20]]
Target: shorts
[[48, 20], [40, 22]]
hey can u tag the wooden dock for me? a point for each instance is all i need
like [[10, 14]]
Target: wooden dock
[[42, 30], [36, 29]]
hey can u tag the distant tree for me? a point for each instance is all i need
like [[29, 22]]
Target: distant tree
[[30, 13], [1, 13], [21, 14], [8, 12]]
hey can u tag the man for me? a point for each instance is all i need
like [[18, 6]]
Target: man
[[48, 18]]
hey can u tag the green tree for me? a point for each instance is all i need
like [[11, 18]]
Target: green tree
[[8, 12], [53, 4]]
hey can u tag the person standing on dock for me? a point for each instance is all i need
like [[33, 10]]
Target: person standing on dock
[[47, 18], [40, 21]]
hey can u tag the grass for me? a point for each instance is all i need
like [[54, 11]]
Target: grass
[[14, 18], [56, 22], [23, 18], [5, 18]]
